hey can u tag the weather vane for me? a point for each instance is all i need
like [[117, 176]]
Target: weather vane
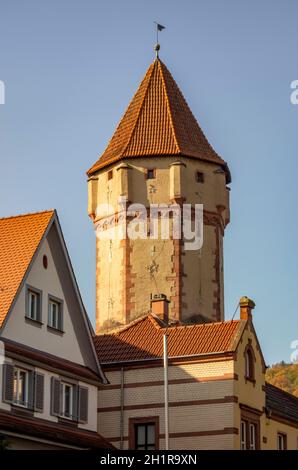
[[159, 27]]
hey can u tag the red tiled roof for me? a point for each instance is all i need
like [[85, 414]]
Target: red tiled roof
[[281, 403], [53, 431], [142, 339], [158, 122], [19, 239]]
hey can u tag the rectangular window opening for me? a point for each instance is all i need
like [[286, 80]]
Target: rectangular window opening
[[249, 434], [199, 177], [150, 174], [281, 441], [145, 436], [20, 387], [67, 400], [33, 304], [55, 319]]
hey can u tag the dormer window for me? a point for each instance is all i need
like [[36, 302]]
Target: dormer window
[[150, 175], [199, 177], [55, 316], [249, 364], [33, 304]]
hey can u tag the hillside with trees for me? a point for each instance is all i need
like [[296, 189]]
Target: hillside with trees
[[284, 376]]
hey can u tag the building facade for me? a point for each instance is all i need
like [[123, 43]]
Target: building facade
[[49, 374], [218, 397]]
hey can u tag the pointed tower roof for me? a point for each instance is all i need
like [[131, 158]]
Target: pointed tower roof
[[158, 122]]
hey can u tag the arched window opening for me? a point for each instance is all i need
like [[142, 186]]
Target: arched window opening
[[249, 364]]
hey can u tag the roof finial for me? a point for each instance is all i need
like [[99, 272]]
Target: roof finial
[[159, 27]]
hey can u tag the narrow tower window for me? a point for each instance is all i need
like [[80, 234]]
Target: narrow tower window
[[150, 174], [110, 175], [199, 177], [249, 364]]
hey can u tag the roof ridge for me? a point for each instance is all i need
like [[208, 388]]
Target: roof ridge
[[118, 157], [161, 65], [28, 214], [155, 322], [140, 108], [158, 326], [208, 324], [120, 329], [291, 395]]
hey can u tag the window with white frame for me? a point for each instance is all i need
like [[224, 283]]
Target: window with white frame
[[20, 387], [243, 438], [252, 436], [67, 400], [55, 319], [33, 304], [249, 434], [281, 441]]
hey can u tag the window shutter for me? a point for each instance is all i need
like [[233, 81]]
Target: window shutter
[[39, 308], [38, 392], [30, 390], [83, 404], [55, 397], [7, 383], [61, 317], [75, 402]]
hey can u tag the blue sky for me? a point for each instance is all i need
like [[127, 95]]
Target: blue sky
[[70, 69]]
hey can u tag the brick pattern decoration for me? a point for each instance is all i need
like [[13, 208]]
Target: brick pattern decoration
[[202, 404]]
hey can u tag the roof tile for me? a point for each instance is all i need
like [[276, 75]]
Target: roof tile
[[142, 339], [19, 239], [281, 403], [158, 122]]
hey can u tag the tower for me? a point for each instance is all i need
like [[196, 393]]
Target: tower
[[158, 155]]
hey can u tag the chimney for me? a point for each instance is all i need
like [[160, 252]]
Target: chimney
[[160, 306], [246, 307]]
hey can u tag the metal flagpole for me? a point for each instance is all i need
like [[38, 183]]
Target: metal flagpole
[[166, 388], [159, 27]]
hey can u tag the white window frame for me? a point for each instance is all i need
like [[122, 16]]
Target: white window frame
[[16, 392], [57, 325], [65, 385], [281, 439], [252, 436], [243, 440], [31, 293], [32, 296]]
